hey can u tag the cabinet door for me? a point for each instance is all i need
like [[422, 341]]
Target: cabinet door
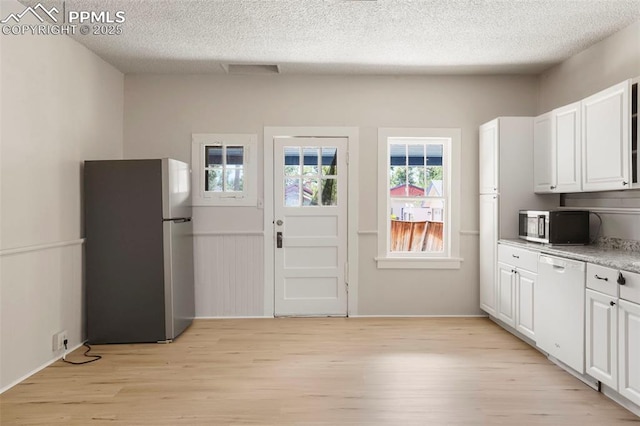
[[543, 154], [489, 158], [601, 343], [525, 288], [488, 252], [629, 345], [566, 125], [506, 308], [605, 139]]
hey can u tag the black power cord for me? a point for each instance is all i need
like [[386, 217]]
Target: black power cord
[[86, 354]]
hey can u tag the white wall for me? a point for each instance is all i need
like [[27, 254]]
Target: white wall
[[161, 112], [604, 64], [61, 104]]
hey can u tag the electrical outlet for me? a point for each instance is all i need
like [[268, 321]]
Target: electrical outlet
[[58, 340]]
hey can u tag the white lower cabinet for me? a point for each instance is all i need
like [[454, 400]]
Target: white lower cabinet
[[629, 350], [515, 287], [612, 344], [506, 309], [525, 289], [601, 343]]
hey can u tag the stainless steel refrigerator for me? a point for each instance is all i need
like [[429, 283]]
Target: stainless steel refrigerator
[[139, 250]]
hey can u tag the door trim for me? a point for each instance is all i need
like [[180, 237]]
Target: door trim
[[352, 135]]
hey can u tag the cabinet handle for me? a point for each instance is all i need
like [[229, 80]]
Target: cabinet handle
[[612, 303], [553, 187], [625, 183], [517, 257], [621, 279], [601, 278]]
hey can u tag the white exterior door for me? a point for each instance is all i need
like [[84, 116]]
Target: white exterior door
[[310, 225]]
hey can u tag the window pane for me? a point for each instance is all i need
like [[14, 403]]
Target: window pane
[[310, 161], [417, 226], [434, 186], [309, 192], [416, 155], [398, 181], [397, 155], [292, 192], [213, 180], [434, 154], [235, 155], [234, 179], [329, 161], [329, 192], [213, 156], [292, 161], [416, 182]]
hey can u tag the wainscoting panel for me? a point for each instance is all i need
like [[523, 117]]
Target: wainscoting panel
[[42, 293], [229, 274]]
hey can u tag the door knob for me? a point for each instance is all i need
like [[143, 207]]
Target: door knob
[[279, 222]]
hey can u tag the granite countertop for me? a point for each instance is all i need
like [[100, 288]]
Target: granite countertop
[[613, 253]]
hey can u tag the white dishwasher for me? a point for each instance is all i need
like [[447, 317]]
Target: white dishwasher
[[559, 309]]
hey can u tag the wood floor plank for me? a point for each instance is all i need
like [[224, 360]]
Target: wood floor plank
[[315, 371]]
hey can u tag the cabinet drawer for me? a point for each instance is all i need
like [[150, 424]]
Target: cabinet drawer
[[602, 279], [631, 289], [520, 258]]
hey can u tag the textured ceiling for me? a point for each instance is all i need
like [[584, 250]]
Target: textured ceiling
[[370, 37]]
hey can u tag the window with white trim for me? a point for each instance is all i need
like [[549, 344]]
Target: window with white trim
[[418, 198], [224, 169]]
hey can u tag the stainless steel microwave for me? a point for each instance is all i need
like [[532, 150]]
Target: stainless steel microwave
[[562, 227]]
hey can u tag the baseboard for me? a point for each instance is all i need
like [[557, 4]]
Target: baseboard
[[36, 370], [419, 316], [234, 317], [614, 395]]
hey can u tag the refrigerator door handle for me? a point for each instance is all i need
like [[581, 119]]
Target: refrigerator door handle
[[178, 219]]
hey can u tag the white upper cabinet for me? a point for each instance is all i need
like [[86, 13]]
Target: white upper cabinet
[[543, 154], [557, 150], [605, 139], [567, 142], [489, 158]]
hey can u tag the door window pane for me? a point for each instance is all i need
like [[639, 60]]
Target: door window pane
[[329, 161], [292, 192], [329, 192], [310, 166], [310, 192], [292, 161]]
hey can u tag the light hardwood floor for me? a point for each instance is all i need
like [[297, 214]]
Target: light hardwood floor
[[329, 371]]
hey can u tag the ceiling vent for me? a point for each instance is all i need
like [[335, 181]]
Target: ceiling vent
[[251, 69]]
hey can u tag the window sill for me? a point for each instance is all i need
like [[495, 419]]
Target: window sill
[[419, 263]]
